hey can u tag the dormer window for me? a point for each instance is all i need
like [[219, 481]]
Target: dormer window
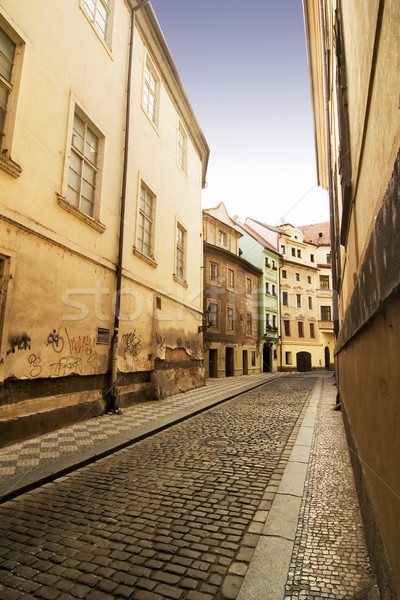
[[223, 238]]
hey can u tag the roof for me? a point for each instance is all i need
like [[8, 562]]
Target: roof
[[257, 237], [318, 233], [270, 227], [221, 214]]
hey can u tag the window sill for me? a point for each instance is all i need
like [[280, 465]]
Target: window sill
[[63, 202], [179, 280], [148, 259], [9, 166]]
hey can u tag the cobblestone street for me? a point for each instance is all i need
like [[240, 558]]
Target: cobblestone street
[[179, 514]]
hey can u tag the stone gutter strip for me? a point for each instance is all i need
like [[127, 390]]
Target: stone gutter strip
[[268, 571]]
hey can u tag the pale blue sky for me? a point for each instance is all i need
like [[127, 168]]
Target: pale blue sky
[[244, 67]]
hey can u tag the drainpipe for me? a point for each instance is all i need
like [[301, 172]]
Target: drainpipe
[[330, 186], [114, 344]]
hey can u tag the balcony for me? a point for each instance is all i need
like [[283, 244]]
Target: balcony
[[325, 325]]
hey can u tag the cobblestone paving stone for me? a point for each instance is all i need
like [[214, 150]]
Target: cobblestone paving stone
[[47, 448], [174, 516], [330, 559]]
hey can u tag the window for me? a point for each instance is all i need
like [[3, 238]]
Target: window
[[181, 148], [298, 253], [213, 271], [288, 358], [158, 303], [144, 238], [309, 280], [273, 320], [267, 263], [324, 282], [212, 310], [180, 252], [300, 326], [312, 330], [249, 324], [326, 313], [285, 298], [150, 92], [286, 325], [328, 259], [273, 290], [83, 167], [274, 265], [98, 13], [229, 318], [267, 323], [249, 286], [298, 300], [310, 302], [253, 358], [7, 56], [223, 238], [297, 276], [312, 258], [283, 249], [284, 274], [293, 251], [231, 278], [267, 287]]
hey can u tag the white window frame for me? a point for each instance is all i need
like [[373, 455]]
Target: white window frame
[[100, 8], [222, 238], [151, 91], [211, 275], [142, 249], [180, 252], [181, 148], [63, 199], [12, 85], [230, 319]]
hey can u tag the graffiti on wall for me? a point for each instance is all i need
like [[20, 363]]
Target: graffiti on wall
[[66, 365], [85, 345], [160, 341], [19, 342], [36, 367], [55, 341], [131, 343]]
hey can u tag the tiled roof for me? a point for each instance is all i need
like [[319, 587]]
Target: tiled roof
[[318, 233]]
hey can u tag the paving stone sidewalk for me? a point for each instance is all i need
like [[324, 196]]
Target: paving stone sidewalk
[[313, 546]]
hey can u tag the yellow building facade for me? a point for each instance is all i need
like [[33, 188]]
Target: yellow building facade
[[73, 145], [354, 57]]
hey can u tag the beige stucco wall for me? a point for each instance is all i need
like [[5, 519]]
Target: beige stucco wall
[[63, 268]]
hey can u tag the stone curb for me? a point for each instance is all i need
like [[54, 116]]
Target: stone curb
[[267, 573]]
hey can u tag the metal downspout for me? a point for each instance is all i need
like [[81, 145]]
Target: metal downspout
[[114, 344]]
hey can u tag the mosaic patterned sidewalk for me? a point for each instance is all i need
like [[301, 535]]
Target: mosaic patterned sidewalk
[[31, 454], [329, 559]]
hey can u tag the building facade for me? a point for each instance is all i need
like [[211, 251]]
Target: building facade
[[263, 255], [354, 54], [95, 313], [306, 329], [231, 300]]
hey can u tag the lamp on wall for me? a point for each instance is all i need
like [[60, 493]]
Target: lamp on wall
[[207, 322]]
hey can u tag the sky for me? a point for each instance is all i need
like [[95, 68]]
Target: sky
[[243, 64]]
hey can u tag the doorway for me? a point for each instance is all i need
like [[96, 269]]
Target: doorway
[[245, 363], [229, 362], [303, 361], [267, 358], [213, 363], [327, 358]]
